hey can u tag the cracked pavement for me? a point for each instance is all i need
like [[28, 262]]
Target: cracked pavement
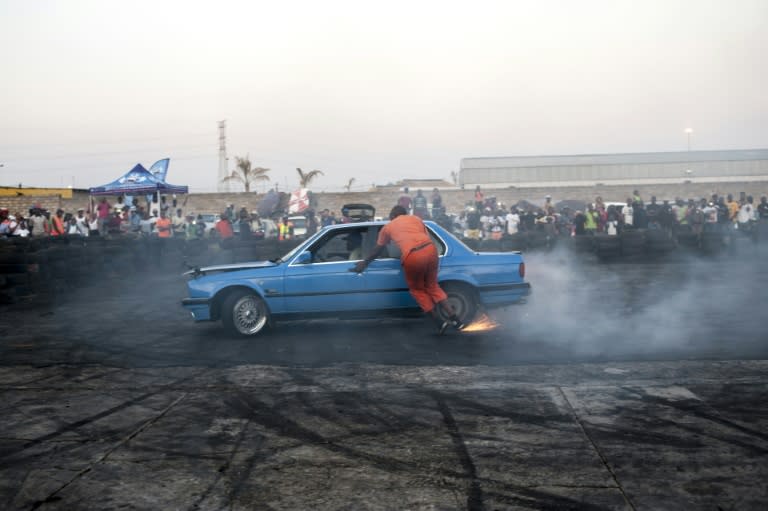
[[133, 406]]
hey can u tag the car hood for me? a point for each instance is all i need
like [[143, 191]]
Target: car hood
[[222, 268]]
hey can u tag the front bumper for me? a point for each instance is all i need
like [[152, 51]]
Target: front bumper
[[198, 307]]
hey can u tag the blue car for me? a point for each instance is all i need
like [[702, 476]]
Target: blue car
[[314, 280]]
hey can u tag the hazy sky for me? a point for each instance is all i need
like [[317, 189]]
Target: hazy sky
[[378, 91]]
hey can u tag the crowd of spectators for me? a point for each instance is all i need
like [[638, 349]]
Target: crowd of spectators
[[482, 218], [486, 218]]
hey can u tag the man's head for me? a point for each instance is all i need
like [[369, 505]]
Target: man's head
[[396, 212]]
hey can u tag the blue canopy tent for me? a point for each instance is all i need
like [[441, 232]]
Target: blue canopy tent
[[137, 181]]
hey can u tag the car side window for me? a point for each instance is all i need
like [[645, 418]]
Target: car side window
[[340, 245], [393, 251], [439, 245]]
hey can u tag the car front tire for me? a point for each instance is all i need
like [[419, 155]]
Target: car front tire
[[244, 313]]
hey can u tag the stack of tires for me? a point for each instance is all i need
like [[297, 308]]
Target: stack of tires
[[489, 245], [659, 242], [471, 243], [607, 247], [24, 270], [712, 242], [515, 243], [687, 239], [582, 244], [633, 244], [539, 240]]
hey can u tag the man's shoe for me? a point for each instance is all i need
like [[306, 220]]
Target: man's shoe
[[457, 324], [442, 327]]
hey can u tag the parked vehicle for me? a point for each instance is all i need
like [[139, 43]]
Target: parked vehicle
[[314, 280], [209, 219], [299, 225]]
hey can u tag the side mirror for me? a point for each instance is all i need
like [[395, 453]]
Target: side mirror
[[304, 258]]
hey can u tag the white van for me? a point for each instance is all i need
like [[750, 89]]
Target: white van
[[299, 226]]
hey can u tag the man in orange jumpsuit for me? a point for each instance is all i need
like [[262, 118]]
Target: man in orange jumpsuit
[[419, 261]]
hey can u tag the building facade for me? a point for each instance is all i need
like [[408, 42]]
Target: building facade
[[616, 169]]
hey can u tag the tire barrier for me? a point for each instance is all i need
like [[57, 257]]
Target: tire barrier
[[40, 269]]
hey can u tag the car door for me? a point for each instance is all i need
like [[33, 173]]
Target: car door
[[385, 280], [319, 279]]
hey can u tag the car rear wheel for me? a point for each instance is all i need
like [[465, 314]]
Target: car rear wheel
[[244, 313], [463, 299]]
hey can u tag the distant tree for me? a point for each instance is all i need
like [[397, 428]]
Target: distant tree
[[306, 178], [348, 186], [247, 174]]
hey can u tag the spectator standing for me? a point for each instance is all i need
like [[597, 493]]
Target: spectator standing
[[479, 198], [612, 221], [244, 224], [437, 203], [284, 229], [733, 208], [40, 225], [224, 227], [5, 223], [420, 205], [164, 226], [93, 224], [81, 221], [652, 213], [746, 215], [22, 230], [405, 200], [579, 222], [591, 219], [762, 208], [190, 233], [512, 221], [628, 213], [103, 208], [179, 224], [58, 228], [710, 217]]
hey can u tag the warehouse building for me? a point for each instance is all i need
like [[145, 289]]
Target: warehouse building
[[747, 165]]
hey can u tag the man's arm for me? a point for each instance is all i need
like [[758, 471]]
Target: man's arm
[[361, 265]]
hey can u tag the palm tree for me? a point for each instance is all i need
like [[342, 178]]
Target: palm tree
[[305, 179], [246, 174], [349, 184]]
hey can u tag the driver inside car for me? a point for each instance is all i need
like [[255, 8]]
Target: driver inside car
[[355, 245]]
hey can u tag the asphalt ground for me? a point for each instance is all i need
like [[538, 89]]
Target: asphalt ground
[[618, 386]]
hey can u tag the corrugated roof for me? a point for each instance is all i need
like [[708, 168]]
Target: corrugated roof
[[614, 159]]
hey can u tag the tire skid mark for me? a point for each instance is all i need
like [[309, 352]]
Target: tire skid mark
[[53, 495], [271, 418], [9, 460], [591, 441], [224, 468], [474, 492], [705, 412]]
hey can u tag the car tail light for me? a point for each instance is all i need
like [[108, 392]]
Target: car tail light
[[521, 270]]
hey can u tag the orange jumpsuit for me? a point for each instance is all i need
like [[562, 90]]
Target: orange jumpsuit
[[418, 257]]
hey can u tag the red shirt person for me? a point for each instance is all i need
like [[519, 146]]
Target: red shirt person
[[420, 264], [224, 228]]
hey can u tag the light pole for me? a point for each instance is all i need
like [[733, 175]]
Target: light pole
[[688, 132]]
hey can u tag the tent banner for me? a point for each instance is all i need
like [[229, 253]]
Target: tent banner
[[159, 169], [299, 201]]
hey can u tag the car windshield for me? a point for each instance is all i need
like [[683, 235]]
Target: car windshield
[[287, 256]]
